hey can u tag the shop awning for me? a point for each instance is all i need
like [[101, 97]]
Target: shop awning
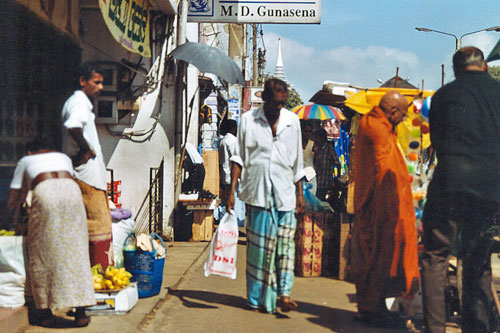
[[364, 100]]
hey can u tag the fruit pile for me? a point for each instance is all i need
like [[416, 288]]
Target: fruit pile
[[111, 279], [4, 232]]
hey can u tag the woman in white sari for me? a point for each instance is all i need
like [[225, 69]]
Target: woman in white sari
[[58, 253]]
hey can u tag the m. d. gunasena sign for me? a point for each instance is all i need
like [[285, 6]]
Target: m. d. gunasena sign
[[255, 11]]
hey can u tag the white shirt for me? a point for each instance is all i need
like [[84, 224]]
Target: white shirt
[[227, 148], [31, 166], [309, 161], [309, 154], [269, 163], [77, 113]]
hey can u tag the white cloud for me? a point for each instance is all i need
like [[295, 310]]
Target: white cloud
[[307, 68]]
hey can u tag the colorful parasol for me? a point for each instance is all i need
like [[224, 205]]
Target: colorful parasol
[[318, 111]]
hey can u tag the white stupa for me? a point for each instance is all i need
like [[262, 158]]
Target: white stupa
[[279, 70]]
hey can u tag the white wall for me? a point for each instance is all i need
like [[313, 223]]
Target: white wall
[[131, 161]]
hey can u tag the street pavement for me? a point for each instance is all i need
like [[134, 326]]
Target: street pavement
[[181, 256], [200, 304], [191, 302]]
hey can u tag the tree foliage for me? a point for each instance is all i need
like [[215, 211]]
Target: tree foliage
[[293, 99], [293, 95], [494, 72]]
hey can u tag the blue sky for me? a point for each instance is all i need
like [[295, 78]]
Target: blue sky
[[360, 41]]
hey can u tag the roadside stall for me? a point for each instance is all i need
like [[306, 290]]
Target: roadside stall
[[317, 237]]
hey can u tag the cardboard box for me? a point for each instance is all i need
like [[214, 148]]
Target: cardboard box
[[331, 245], [115, 303], [309, 244]]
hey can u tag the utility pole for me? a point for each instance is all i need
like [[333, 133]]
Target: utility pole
[[255, 77], [179, 97], [245, 51]]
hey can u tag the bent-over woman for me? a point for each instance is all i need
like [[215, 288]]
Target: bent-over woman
[[58, 249]]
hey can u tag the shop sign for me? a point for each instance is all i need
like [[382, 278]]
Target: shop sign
[[255, 11], [128, 22], [233, 103]]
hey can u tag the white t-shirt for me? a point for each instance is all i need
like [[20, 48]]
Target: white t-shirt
[[31, 166], [77, 113], [227, 148]]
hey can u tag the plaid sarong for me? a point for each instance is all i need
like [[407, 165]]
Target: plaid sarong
[[270, 255]]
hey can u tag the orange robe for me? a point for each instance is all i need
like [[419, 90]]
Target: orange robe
[[384, 253]]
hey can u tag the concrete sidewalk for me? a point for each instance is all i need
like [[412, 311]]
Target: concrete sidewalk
[[180, 257], [183, 271]]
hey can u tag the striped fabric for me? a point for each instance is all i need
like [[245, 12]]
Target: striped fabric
[[270, 255]]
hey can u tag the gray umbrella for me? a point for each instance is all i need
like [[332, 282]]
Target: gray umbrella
[[209, 60]]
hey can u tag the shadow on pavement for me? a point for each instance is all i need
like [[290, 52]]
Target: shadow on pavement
[[335, 319], [209, 297]]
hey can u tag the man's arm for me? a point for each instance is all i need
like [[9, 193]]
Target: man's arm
[[235, 176], [85, 153]]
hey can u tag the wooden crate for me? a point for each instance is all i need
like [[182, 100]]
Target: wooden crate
[[203, 218], [203, 225], [211, 164]]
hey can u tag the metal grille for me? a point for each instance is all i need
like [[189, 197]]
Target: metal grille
[[149, 217]]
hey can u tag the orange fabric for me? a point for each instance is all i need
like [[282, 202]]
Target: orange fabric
[[385, 259]]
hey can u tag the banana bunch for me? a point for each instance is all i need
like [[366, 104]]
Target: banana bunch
[[4, 232], [112, 278]]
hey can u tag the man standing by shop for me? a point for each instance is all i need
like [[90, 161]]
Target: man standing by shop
[[269, 159], [81, 142], [325, 162], [227, 148], [464, 195], [384, 248]]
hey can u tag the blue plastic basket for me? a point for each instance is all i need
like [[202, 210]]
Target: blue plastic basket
[[146, 270]]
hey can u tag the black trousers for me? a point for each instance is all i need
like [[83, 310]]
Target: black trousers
[[195, 180], [458, 223]]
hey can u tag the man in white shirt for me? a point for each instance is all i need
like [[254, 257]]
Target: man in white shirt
[[269, 160], [227, 148], [81, 142]]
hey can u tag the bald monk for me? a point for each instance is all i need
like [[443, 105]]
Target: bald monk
[[385, 262]]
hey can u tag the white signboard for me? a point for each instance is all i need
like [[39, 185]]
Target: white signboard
[[255, 11]]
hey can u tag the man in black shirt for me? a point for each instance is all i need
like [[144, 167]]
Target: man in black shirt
[[463, 197]]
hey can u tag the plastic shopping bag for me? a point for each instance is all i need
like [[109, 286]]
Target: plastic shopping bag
[[13, 260], [223, 249]]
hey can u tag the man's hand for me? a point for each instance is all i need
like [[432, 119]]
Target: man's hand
[[300, 205], [85, 153], [83, 157], [235, 176], [230, 202]]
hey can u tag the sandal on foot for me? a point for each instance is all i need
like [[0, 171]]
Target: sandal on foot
[[44, 318], [81, 320], [287, 304]]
